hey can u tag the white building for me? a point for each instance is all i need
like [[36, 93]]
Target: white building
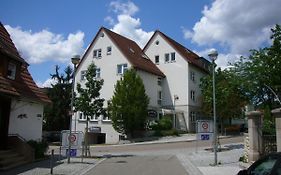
[[21, 101], [183, 70], [113, 54]]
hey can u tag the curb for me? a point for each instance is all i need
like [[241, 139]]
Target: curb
[[89, 168]]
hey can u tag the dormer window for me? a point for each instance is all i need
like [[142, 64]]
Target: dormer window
[[12, 68]]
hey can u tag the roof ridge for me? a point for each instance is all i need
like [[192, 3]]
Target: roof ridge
[[115, 33]]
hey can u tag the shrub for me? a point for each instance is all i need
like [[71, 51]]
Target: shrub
[[39, 148], [268, 127], [165, 123]]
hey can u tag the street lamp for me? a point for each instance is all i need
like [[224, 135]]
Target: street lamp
[[174, 116], [75, 60], [213, 55]]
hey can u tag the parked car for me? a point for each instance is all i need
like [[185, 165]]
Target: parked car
[[267, 165]]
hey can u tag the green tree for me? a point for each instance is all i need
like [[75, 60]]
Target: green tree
[[88, 99], [261, 72], [230, 97], [56, 115], [128, 106]]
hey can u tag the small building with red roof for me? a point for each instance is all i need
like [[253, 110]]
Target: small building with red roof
[[21, 100]]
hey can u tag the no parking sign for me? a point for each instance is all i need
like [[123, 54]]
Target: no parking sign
[[204, 129]]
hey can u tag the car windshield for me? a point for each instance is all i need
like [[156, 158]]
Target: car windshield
[[264, 167]]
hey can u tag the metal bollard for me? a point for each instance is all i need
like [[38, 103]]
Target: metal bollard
[[51, 161]]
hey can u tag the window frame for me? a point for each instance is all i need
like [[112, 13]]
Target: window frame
[[167, 57], [11, 74], [173, 57], [83, 75], [192, 76], [159, 97], [98, 73], [97, 53], [193, 116], [192, 95], [108, 50], [81, 116], [94, 118], [156, 59], [123, 68]]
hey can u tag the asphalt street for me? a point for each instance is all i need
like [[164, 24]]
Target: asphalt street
[[139, 165]]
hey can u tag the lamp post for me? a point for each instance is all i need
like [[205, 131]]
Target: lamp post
[[75, 60], [174, 116], [213, 54]]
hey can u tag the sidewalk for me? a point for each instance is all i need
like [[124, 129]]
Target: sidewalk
[[61, 167], [197, 162]]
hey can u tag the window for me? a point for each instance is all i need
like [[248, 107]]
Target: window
[[159, 81], [157, 42], [264, 166], [192, 116], [192, 95], [156, 59], [81, 116], [97, 53], [83, 75], [121, 68], [11, 74], [97, 73], [192, 76], [108, 50], [94, 118], [167, 57], [159, 101], [173, 57], [106, 118]]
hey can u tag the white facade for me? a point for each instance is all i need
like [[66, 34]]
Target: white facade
[[106, 55], [182, 79], [108, 63], [26, 119]]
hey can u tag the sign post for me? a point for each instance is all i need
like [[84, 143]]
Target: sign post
[[205, 130], [74, 139]]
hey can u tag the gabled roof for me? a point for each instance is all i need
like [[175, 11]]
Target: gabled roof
[[131, 51], [7, 46], [23, 86], [186, 53]]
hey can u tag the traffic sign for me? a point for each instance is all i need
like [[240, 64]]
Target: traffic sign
[[204, 126]]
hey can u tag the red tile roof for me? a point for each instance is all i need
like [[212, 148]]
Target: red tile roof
[[186, 53], [24, 86], [7, 46], [131, 51]]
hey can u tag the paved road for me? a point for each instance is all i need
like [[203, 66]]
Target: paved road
[[139, 165], [163, 148], [165, 158]]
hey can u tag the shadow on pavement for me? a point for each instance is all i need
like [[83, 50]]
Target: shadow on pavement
[[37, 164]]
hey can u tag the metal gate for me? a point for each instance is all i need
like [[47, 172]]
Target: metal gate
[[269, 144]]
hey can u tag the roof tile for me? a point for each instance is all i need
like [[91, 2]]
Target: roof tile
[[24, 86]]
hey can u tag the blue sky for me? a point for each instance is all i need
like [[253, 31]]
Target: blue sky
[[48, 33]]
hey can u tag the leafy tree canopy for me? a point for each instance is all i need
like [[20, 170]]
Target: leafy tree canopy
[[88, 99], [128, 106], [230, 97], [261, 72]]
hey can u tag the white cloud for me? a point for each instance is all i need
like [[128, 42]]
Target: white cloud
[[239, 26], [47, 83], [128, 8], [43, 46], [110, 20], [223, 60], [126, 24]]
